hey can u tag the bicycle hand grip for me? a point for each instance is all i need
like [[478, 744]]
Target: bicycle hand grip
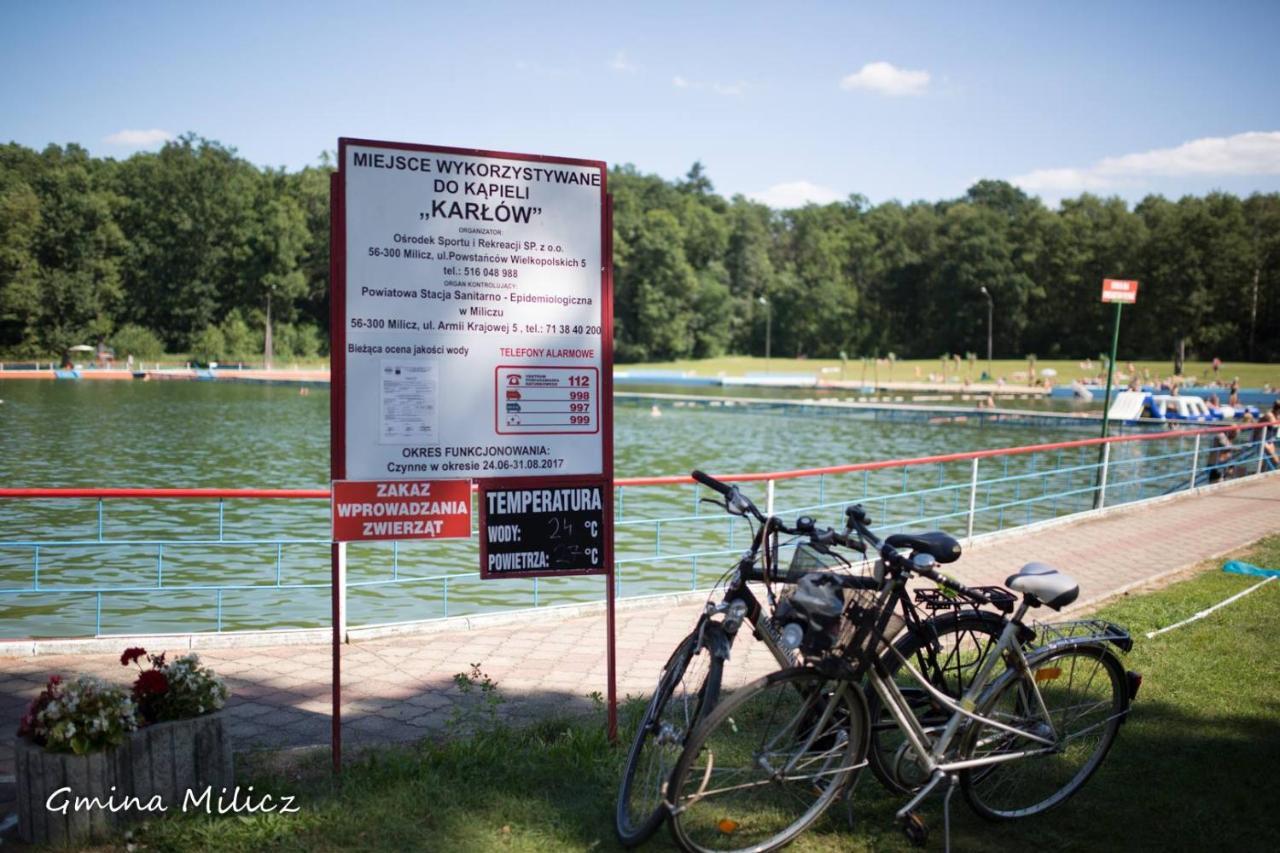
[[712, 483]]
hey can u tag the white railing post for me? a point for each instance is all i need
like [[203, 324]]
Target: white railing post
[[1195, 462], [1102, 488], [973, 497], [768, 497], [1262, 449]]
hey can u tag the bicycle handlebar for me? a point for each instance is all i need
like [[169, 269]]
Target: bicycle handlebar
[[712, 483], [860, 521]]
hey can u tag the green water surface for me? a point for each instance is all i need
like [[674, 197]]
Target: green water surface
[[226, 434]]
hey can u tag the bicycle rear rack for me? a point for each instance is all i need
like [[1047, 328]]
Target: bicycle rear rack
[[937, 598], [1098, 630]]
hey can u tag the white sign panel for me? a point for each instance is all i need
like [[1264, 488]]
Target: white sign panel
[[474, 313]]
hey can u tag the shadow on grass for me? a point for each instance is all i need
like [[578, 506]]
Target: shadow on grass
[[1172, 781]]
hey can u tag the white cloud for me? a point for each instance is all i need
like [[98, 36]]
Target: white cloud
[[1253, 153], [622, 65], [679, 82], [886, 79], [732, 90], [795, 194], [138, 138]]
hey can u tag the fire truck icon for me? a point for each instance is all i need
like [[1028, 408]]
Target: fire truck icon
[[513, 395]]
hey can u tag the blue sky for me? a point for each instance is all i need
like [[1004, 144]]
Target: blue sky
[[781, 102]]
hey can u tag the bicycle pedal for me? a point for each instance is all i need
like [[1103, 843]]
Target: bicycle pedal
[[916, 830]]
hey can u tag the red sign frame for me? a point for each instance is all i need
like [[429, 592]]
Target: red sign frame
[[338, 292], [338, 398], [1123, 291]]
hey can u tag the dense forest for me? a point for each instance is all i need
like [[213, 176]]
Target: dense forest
[[193, 249]]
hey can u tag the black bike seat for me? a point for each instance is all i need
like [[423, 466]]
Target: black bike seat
[[941, 546]]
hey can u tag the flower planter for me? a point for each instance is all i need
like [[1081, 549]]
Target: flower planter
[[149, 774]]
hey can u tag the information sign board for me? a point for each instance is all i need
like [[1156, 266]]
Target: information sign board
[[1119, 290], [401, 509], [538, 527], [471, 283]]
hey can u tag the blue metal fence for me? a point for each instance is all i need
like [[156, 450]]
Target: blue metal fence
[[109, 562]]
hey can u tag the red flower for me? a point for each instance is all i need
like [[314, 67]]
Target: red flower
[[55, 679], [151, 681], [131, 655]]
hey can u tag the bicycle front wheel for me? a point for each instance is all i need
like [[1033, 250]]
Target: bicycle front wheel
[[767, 762], [688, 686], [1084, 692]]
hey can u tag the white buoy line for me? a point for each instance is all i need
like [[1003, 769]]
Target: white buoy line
[[1206, 612]]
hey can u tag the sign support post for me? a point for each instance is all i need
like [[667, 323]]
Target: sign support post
[[1120, 292], [1111, 369], [337, 453]]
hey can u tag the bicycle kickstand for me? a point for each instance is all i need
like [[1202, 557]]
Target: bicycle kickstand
[[912, 823], [848, 801], [952, 781]]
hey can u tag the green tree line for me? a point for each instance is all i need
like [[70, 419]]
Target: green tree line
[[188, 249], [194, 249]]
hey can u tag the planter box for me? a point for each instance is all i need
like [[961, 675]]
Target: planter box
[[157, 765]]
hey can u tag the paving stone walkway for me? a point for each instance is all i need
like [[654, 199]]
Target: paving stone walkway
[[403, 688]]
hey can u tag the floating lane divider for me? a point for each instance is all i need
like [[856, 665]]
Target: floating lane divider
[[1234, 567]]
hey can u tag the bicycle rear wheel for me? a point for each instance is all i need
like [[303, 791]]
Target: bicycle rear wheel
[[688, 687], [947, 650], [767, 762], [1086, 696]]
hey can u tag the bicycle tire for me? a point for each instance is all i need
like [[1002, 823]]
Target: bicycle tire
[[688, 687], [1085, 692], [779, 771], [964, 639]]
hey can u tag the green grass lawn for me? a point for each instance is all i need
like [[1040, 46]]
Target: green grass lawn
[[1251, 375], [1195, 766]]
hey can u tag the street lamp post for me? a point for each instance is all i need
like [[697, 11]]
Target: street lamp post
[[990, 312], [768, 329]]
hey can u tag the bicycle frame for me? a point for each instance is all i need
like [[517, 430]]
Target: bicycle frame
[[931, 752]]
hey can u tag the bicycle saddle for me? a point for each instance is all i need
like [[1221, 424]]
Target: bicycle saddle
[[943, 548], [1044, 584]]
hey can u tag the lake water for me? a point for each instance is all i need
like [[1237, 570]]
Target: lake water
[[213, 434]]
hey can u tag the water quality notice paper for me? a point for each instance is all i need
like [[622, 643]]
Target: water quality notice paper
[[408, 410]]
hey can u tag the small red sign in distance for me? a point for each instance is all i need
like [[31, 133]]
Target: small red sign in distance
[[1119, 290], [401, 509]]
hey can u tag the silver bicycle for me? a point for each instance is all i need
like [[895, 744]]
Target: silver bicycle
[[1027, 732]]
